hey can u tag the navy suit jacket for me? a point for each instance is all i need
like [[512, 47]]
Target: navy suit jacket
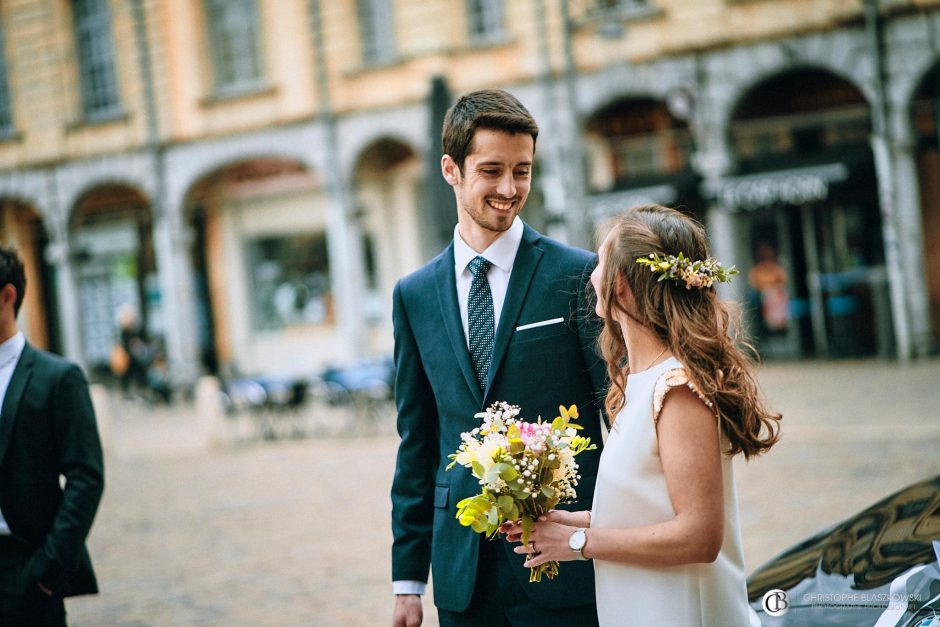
[[47, 429], [437, 396]]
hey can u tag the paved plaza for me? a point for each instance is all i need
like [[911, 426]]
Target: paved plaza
[[199, 527]]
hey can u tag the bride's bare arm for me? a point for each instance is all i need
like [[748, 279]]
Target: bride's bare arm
[[691, 456], [690, 451]]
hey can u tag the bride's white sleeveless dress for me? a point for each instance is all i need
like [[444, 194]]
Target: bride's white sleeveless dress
[[631, 492]]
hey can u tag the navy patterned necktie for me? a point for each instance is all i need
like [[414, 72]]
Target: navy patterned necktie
[[481, 322]]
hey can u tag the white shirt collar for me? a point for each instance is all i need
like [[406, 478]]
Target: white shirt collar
[[11, 350], [501, 253]]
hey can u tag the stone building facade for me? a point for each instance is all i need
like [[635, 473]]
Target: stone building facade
[[251, 177]]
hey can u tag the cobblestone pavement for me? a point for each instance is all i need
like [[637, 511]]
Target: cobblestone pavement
[[296, 531]]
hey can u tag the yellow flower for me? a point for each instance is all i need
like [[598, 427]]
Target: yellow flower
[[487, 454], [466, 458]]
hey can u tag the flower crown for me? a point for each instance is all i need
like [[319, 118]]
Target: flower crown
[[680, 268]]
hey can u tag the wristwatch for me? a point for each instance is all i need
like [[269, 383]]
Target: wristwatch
[[576, 542]]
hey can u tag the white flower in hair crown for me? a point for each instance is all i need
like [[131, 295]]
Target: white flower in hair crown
[[679, 268]]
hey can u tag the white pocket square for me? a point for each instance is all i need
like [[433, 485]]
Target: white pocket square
[[541, 323]]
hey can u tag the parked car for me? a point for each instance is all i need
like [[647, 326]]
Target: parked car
[[880, 567]]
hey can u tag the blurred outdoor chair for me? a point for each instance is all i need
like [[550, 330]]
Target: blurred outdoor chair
[[274, 403]]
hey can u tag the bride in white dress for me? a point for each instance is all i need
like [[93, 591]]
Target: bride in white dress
[[664, 532]]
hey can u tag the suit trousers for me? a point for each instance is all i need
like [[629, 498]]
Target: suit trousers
[[500, 601], [22, 603]]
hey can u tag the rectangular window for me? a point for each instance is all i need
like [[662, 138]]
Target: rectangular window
[[234, 43], [377, 31], [663, 152], [95, 46], [6, 110], [485, 19], [289, 278]]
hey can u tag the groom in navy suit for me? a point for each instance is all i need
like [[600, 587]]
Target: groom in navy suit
[[47, 432], [500, 315]]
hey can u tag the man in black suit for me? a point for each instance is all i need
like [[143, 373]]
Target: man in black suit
[[500, 315], [47, 431]]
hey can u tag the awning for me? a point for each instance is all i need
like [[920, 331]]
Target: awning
[[797, 186]]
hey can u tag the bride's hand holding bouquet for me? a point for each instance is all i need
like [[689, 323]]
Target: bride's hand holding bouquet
[[548, 540]]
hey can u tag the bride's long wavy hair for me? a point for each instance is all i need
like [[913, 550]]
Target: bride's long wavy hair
[[697, 327]]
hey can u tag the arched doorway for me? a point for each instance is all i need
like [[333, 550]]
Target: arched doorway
[[806, 201], [387, 186], [21, 227], [262, 269], [639, 152], [116, 269], [926, 122]]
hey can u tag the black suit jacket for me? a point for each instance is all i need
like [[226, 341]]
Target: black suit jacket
[[47, 429], [437, 396]]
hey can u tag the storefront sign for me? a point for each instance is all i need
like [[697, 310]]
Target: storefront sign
[[787, 187]]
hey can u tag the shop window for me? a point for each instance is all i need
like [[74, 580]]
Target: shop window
[[663, 152], [234, 44], [6, 111], [289, 281], [376, 31], [95, 47], [485, 19]]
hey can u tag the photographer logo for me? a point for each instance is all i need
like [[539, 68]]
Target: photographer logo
[[776, 602]]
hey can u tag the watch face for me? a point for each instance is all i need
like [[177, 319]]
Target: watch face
[[577, 540]]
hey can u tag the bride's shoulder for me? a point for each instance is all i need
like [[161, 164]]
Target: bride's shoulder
[[675, 377]]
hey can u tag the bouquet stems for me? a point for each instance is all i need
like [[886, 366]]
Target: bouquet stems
[[548, 569]]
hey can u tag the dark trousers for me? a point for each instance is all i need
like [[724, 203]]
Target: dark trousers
[[499, 600], [22, 603]]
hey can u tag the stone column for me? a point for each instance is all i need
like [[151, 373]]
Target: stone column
[[894, 256], [58, 255], [910, 235], [172, 242], [344, 233], [713, 160], [347, 271]]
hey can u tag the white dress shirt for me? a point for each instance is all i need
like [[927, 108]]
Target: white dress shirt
[[10, 352], [502, 255]]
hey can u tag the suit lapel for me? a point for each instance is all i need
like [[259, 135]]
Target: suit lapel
[[450, 312], [14, 393], [523, 269]]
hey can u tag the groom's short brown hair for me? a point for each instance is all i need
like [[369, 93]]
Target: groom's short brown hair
[[12, 272], [487, 108]]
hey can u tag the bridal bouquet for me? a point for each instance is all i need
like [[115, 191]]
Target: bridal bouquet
[[525, 469]]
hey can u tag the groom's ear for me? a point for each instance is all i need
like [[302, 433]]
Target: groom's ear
[[450, 170]]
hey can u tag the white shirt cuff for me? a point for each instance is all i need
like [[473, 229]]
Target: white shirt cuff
[[409, 587]]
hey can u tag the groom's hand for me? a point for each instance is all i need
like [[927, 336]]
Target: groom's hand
[[408, 611]]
